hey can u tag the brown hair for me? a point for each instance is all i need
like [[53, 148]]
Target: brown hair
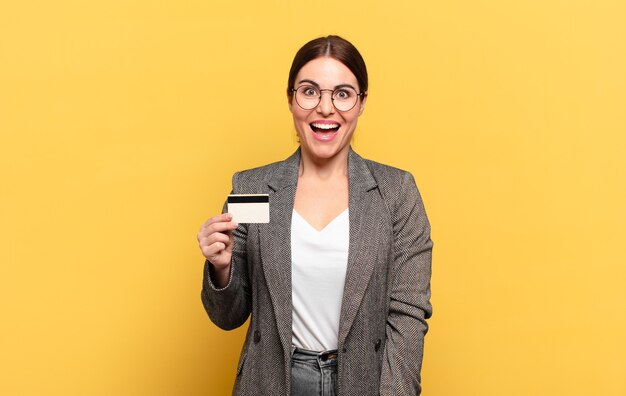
[[334, 47]]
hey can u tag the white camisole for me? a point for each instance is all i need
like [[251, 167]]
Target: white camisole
[[318, 273]]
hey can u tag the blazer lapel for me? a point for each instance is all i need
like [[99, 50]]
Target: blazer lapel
[[363, 237], [275, 241]]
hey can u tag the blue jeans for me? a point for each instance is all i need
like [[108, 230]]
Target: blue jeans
[[313, 373]]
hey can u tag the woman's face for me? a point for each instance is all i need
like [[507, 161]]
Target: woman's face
[[324, 131]]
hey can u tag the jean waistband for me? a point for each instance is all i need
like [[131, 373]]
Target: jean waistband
[[314, 355]]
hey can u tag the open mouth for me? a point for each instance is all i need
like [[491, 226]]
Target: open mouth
[[324, 128]]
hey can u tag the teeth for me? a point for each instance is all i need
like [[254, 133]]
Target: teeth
[[325, 126]]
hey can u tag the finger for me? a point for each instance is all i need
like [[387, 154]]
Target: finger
[[219, 218], [216, 227], [220, 227], [226, 218], [213, 249], [215, 237]]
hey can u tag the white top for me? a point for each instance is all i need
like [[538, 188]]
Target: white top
[[319, 260]]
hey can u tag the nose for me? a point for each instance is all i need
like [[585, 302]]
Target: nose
[[326, 106]]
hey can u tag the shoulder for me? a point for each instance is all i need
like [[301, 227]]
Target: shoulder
[[254, 180], [399, 191], [259, 173], [396, 186], [389, 177], [257, 180]]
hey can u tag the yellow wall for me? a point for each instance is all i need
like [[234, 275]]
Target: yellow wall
[[122, 121]]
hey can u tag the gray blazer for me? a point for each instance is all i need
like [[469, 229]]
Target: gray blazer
[[386, 297]]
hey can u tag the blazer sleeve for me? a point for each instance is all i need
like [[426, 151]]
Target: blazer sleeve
[[409, 305], [230, 306]]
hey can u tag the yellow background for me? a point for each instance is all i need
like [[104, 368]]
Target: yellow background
[[122, 121]]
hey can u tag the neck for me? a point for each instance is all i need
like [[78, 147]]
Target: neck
[[324, 168]]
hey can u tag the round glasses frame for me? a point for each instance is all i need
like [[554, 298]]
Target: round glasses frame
[[332, 97]]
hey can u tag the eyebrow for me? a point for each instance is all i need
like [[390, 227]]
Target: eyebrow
[[317, 85]]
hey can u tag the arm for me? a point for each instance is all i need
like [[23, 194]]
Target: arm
[[409, 305], [229, 306]]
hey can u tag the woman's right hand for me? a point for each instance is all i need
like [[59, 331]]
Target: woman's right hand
[[216, 240]]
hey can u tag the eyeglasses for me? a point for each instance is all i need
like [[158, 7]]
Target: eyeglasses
[[308, 97]]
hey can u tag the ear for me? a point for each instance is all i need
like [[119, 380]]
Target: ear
[[362, 104], [289, 99]]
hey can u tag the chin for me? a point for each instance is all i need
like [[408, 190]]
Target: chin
[[325, 152]]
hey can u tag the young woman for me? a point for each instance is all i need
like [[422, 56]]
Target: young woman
[[338, 283]]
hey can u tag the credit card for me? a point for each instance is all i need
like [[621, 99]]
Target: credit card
[[249, 208]]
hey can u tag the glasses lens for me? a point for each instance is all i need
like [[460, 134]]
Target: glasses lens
[[307, 97], [344, 99]]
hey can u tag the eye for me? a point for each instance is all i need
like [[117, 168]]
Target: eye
[[308, 90], [343, 94]]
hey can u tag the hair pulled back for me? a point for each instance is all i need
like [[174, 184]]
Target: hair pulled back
[[334, 47]]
